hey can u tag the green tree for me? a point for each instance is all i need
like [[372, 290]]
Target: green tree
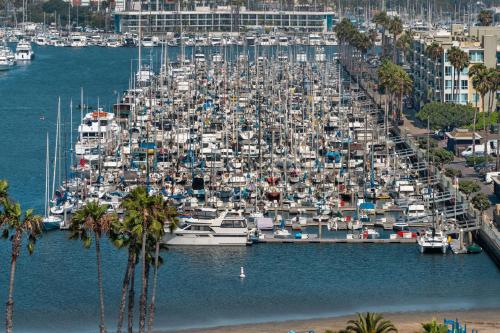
[[459, 60], [441, 156], [485, 18], [93, 219], [468, 187], [446, 115], [370, 323], [16, 226], [434, 327], [481, 202]]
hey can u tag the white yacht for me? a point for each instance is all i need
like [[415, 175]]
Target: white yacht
[[208, 227], [24, 51], [431, 240], [6, 62], [78, 40]]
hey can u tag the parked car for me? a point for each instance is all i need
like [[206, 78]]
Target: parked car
[[489, 176]]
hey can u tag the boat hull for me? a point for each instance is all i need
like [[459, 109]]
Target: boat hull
[[204, 240]]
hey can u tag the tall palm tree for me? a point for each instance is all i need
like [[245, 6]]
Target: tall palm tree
[[395, 28], [19, 225], [166, 214], [93, 218], [435, 53], [404, 43], [381, 19], [370, 323], [481, 82], [459, 60], [124, 234], [477, 74]]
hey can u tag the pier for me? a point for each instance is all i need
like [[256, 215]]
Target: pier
[[338, 241], [472, 223]]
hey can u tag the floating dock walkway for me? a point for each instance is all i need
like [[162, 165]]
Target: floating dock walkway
[[339, 240]]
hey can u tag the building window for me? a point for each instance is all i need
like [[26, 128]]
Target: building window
[[447, 84], [476, 56], [447, 97], [464, 84], [447, 70], [463, 98], [475, 97]]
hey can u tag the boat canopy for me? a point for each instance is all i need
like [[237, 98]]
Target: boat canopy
[[264, 223]]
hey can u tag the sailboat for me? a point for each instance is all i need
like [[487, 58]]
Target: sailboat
[[49, 222]]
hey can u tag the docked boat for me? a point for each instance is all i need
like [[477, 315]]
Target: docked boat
[[208, 228], [6, 62], [433, 240], [24, 52]]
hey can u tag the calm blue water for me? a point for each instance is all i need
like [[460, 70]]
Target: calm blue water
[[55, 289]]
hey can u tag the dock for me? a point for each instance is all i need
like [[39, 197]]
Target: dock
[[339, 241]]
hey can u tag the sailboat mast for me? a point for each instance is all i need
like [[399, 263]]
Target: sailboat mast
[[56, 145]]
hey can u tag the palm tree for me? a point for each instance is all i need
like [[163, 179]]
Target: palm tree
[[477, 74], [435, 52], [404, 43], [434, 327], [166, 213], [485, 18], [395, 28], [370, 323], [124, 234], [381, 19], [481, 82], [19, 225], [93, 218], [459, 60]]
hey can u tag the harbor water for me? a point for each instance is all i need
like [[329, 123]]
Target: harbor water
[[56, 290]]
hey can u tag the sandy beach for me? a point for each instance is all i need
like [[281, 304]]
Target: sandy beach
[[486, 321]]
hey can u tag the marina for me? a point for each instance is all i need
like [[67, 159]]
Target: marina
[[287, 176], [301, 146]]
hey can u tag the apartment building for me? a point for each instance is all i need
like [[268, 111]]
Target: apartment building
[[221, 19], [433, 77]]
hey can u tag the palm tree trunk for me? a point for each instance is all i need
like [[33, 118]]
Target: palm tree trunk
[[131, 300], [153, 293], [102, 326], [125, 285], [142, 301], [474, 137], [9, 308]]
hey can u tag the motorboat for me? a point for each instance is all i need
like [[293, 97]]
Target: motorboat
[[433, 240], [6, 62], [24, 52], [209, 228]]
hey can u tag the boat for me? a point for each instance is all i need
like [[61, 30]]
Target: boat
[[49, 222], [6, 62], [209, 228], [24, 51], [369, 233], [474, 249], [433, 240], [400, 226]]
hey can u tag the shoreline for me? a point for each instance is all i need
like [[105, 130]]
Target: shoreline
[[486, 321]]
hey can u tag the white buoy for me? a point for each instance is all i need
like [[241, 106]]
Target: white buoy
[[242, 272]]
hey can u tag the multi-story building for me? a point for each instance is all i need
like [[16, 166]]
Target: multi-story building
[[221, 19], [433, 76]]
